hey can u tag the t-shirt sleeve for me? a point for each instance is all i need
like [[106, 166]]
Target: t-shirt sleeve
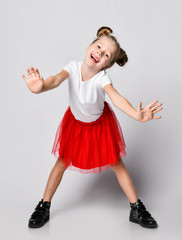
[[70, 68], [105, 80]]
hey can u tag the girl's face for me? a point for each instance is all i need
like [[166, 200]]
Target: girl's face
[[100, 53]]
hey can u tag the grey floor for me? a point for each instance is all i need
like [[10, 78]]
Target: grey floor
[[47, 35], [86, 207]]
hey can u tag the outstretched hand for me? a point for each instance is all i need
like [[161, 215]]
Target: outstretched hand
[[34, 82], [147, 113]]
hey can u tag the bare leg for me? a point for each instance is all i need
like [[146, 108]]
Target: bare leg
[[125, 181], [54, 180]]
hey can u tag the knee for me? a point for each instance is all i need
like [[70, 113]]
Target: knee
[[60, 165], [118, 166]]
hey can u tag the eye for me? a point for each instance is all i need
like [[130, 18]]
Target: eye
[[98, 46], [107, 55]]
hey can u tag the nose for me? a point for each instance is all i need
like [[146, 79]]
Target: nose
[[99, 52]]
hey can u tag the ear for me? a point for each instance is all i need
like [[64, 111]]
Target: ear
[[89, 46]]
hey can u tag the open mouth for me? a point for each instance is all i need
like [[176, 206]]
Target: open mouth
[[94, 58]]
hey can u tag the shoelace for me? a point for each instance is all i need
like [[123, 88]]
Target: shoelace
[[142, 212], [40, 210]]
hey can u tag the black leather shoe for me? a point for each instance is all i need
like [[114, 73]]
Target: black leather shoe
[[41, 215], [139, 214]]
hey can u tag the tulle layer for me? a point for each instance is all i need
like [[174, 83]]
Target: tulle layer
[[89, 147]]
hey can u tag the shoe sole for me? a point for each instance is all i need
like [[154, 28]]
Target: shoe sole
[[40, 225], [137, 221]]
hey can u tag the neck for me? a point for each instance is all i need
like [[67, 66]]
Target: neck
[[87, 72]]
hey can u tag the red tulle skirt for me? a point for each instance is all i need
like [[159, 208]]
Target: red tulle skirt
[[89, 147]]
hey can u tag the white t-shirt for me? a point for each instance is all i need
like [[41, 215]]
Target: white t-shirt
[[86, 98]]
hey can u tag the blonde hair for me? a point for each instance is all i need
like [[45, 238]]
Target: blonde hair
[[120, 58]]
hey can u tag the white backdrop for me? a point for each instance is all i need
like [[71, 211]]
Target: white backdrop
[[47, 35]]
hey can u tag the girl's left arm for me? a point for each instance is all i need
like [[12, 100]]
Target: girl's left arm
[[141, 115]]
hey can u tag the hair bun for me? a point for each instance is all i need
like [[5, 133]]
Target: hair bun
[[123, 58], [104, 31]]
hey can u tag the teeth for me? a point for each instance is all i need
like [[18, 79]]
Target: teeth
[[94, 58]]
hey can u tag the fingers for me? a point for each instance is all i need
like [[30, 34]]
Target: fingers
[[29, 73], [23, 76], [152, 103], [140, 105], [157, 117], [155, 107], [37, 73], [159, 109], [32, 73]]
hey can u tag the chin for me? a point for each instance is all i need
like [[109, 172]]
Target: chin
[[90, 63]]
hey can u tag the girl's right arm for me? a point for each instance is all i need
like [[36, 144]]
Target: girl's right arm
[[37, 84]]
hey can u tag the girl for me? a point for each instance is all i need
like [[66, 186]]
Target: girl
[[89, 138]]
